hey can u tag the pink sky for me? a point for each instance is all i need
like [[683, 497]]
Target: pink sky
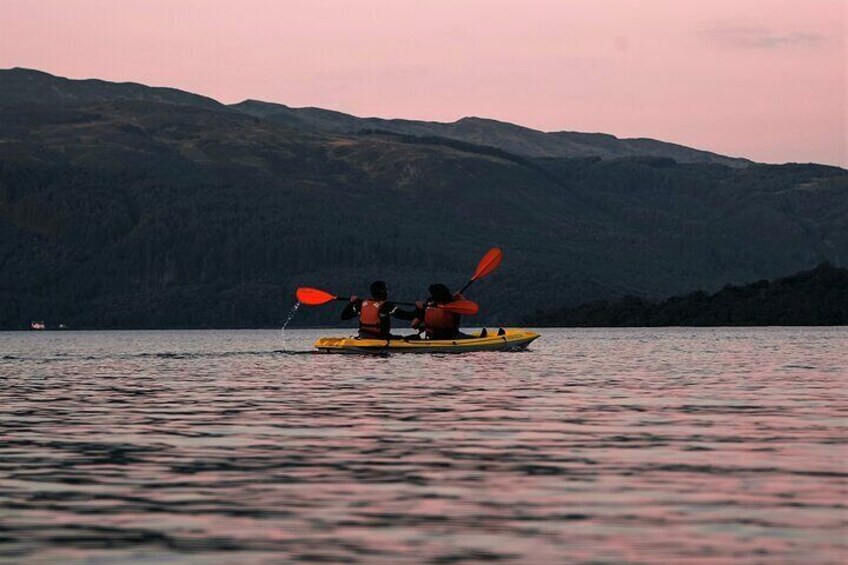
[[764, 79]]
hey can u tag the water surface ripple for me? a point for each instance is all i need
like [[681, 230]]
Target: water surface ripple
[[596, 446]]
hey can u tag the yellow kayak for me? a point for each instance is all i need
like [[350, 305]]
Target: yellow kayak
[[509, 340]]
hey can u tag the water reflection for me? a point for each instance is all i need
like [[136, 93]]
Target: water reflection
[[595, 446]]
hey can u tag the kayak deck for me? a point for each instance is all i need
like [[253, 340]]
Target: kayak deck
[[510, 340]]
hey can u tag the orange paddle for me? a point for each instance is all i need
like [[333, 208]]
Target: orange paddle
[[490, 261], [316, 297]]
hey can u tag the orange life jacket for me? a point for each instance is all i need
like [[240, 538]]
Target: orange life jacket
[[369, 317], [439, 322]]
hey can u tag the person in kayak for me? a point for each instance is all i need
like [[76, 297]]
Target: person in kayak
[[376, 313], [438, 323]]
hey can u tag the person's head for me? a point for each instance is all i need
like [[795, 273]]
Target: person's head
[[440, 293], [379, 290]]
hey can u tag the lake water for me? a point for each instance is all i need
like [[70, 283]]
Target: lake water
[[594, 446]]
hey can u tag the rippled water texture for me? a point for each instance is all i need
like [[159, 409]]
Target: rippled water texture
[[601, 446]]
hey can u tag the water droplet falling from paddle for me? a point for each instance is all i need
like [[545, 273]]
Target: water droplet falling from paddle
[[292, 312]]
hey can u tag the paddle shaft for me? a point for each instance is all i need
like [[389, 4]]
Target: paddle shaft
[[462, 307], [343, 299]]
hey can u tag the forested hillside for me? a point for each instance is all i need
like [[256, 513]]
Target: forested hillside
[[811, 298], [122, 206]]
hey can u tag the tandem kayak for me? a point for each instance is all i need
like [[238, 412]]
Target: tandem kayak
[[509, 340]]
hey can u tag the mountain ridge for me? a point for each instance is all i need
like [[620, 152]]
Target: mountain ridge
[[488, 131], [19, 85], [14, 83]]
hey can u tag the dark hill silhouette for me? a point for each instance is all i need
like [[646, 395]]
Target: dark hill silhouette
[[480, 131], [26, 86], [151, 211], [811, 298]]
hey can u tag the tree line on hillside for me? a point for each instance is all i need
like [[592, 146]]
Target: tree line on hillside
[[94, 248], [818, 297]]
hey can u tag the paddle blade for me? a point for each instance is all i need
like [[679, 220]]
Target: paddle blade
[[313, 296], [465, 307], [488, 263]]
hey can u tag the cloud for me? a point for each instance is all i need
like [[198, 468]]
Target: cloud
[[760, 37]]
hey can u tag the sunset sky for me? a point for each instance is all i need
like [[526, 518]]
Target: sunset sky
[[763, 79]]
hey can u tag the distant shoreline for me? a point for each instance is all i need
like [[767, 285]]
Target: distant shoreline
[[813, 298]]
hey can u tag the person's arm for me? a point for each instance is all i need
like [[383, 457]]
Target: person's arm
[[397, 312], [351, 310], [417, 316]]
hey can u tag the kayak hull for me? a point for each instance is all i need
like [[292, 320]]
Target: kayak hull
[[511, 340]]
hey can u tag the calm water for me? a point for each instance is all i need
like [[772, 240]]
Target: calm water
[[595, 446]]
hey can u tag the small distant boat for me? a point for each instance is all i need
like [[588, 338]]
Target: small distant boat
[[38, 326], [509, 340]]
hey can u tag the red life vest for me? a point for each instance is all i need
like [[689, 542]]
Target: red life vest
[[439, 322], [369, 317]]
